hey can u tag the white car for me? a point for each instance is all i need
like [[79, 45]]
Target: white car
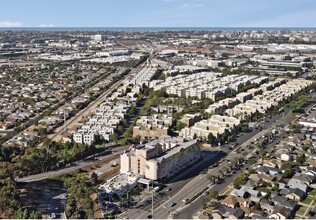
[[53, 215], [185, 200], [65, 196]]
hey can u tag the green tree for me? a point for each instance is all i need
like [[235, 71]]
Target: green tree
[[211, 178], [80, 204], [210, 138], [19, 214], [9, 195], [214, 194], [35, 215], [301, 159], [205, 200], [287, 168], [240, 180], [94, 178], [180, 125], [114, 137]]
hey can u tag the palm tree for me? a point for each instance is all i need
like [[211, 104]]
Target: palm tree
[[262, 154], [211, 178], [221, 174], [226, 170]]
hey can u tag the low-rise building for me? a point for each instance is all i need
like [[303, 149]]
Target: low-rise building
[[190, 119], [119, 184]]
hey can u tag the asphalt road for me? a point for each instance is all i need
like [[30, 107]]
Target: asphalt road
[[74, 167]]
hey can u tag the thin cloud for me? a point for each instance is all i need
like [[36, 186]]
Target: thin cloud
[[189, 5], [297, 19], [10, 24], [46, 25]]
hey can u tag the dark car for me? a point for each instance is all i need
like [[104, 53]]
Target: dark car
[[171, 204]]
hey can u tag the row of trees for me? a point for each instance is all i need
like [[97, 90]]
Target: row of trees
[[52, 155], [224, 171], [79, 204]]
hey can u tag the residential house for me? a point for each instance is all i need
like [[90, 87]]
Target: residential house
[[280, 213]]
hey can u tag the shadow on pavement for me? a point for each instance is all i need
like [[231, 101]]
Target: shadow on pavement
[[209, 158]]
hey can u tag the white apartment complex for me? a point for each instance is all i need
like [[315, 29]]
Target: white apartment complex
[[205, 84], [269, 98], [102, 123]]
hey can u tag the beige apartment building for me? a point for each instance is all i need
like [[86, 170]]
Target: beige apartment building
[[160, 159], [154, 126], [216, 125]]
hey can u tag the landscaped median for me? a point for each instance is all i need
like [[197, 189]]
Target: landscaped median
[[197, 195]]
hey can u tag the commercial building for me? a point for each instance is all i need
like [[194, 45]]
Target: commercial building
[[99, 37]]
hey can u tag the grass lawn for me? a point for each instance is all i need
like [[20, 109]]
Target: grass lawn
[[301, 211], [99, 146], [263, 189], [313, 193], [203, 217], [251, 162], [60, 177], [209, 210], [308, 200]]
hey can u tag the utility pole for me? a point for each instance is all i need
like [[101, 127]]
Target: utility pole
[[152, 200], [64, 121]]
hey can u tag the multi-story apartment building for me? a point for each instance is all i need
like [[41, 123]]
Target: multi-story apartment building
[[215, 125], [102, 122], [152, 126], [160, 159]]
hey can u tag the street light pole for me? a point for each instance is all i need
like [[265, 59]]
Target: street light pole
[[152, 201]]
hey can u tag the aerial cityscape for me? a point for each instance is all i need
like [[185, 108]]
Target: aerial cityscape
[[162, 109]]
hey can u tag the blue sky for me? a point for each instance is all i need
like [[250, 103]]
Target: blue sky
[[158, 13]]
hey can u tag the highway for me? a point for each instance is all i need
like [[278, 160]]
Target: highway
[[75, 166]]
